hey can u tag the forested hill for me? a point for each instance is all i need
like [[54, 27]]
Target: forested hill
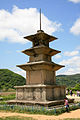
[[68, 80], [9, 79]]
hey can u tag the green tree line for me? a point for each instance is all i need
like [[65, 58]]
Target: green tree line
[[71, 81], [9, 79]]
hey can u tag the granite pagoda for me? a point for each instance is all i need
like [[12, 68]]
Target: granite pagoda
[[41, 87]]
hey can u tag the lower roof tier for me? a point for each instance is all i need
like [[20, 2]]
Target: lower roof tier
[[40, 50], [41, 65]]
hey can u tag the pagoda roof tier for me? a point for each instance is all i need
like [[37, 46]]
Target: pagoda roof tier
[[40, 35], [40, 50], [41, 65]]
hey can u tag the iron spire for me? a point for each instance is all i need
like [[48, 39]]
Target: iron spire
[[40, 18]]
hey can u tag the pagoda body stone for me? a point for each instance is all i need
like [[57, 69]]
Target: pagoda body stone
[[41, 87]]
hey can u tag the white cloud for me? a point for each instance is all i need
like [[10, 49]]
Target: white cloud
[[75, 29], [75, 1], [78, 48], [74, 61], [23, 73], [19, 71], [57, 56], [18, 51], [72, 65], [69, 71], [21, 22], [73, 53]]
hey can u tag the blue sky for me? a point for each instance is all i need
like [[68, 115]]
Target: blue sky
[[60, 18]]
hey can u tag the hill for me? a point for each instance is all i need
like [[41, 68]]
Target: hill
[[9, 79], [68, 80]]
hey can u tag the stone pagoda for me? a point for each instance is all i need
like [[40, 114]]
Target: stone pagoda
[[40, 88]]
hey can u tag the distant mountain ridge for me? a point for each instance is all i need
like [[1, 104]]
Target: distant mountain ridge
[[9, 79], [68, 80]]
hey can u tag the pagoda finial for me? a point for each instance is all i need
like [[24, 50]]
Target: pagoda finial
[[39, 31], [40, 18]]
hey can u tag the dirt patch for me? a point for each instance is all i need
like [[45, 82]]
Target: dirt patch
[[7, 93], [72, 114]]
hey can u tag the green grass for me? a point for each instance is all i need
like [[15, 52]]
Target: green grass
[[7, 97], [36, 110], [17, 118], [33, 109]]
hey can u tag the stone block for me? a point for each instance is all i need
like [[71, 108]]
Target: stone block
[[40, 57], [45, 77], [40, 92], [57, 93], [20, 94]]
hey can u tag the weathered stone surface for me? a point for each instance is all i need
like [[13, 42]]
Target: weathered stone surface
[[40, 92], [40, 85], [39, 103], [40, 50], [40, 38], [40, 65], [40, 57], [45, 77]]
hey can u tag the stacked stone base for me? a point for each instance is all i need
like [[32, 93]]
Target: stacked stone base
[[40, 92], [43, 95], [38, 103]]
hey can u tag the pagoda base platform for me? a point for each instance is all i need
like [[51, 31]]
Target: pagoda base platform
[[41, 95], [39, 103], [40, 92]]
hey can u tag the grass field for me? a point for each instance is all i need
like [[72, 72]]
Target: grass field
[[17, 118], [4, 96]]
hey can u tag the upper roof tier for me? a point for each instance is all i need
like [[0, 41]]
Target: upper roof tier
[[40, 38], [40, 50]]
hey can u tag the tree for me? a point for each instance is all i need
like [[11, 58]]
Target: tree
[[77, 86]]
